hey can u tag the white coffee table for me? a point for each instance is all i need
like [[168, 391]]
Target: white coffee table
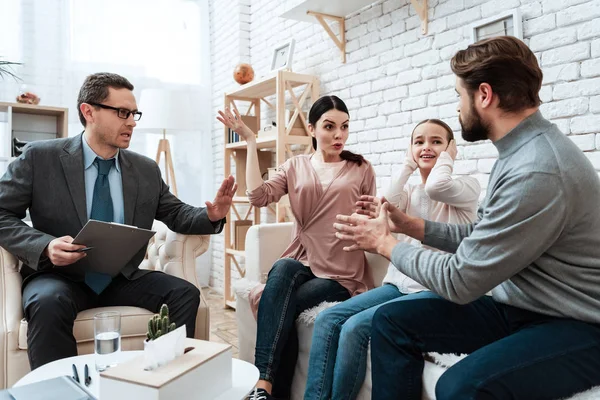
[[244, 374]]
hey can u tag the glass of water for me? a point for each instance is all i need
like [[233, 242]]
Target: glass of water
[[107, 339]]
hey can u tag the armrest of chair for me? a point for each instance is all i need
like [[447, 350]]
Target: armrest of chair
[[11, 309], [264, 245], [175, 254]]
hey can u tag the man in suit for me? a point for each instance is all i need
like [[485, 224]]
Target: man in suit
[[65, 182]]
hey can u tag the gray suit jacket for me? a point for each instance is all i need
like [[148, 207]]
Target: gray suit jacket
[[48, 179]]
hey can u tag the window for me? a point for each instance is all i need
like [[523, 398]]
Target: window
[[155, 38], [10, 30]]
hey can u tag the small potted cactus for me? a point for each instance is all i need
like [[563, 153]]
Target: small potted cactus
[[164, 340], [160, 324]]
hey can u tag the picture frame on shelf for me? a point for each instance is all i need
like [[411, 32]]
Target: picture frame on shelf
[[283, 55], [507, 23]]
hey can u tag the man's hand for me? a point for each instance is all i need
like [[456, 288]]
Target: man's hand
[[61, 251], [371, 206], [218, 209], [398, 221], [372, 235]]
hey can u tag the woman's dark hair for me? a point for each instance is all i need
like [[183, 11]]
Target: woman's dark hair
[[435, 121], [320, 107]]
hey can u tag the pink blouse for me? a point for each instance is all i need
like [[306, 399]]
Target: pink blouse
[[315, 209]]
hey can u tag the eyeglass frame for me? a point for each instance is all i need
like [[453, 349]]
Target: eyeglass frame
[[119, 111]]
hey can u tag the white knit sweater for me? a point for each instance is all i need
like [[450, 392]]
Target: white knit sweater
[[440, 199]]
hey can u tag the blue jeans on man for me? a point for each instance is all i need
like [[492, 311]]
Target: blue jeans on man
[[513, 353]]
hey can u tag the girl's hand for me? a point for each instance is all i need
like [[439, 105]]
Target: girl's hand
[[235, 123], [409, 159], [452, 150]]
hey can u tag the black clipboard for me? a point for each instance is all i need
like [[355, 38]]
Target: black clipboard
[[113, 245]]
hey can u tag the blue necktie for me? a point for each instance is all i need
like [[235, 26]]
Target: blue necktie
[[102, 210]]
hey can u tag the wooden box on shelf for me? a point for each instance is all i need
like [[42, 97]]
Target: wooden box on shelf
[[241, 227], [265, 159], [298, 127]]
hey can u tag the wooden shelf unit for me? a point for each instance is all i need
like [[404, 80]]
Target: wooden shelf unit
[[28, 122], [274, 148]]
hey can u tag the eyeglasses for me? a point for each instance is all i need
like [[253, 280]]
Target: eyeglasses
[[121, 112]]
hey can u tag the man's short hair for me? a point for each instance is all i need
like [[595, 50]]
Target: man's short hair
[[507, 65], [95, 89]]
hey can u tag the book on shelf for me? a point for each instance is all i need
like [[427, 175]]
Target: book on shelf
[[233, 136]]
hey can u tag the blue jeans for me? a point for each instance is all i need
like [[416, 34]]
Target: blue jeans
[[342, 333], [513, 353], [290, 289]]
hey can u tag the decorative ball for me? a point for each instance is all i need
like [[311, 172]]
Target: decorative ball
[[243, 73]]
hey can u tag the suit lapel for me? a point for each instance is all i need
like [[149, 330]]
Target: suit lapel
[[130, 186], [72, 163]]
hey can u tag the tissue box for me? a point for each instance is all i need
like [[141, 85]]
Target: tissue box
[[201, 373]]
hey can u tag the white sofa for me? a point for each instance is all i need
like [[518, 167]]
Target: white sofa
[[264, 245]]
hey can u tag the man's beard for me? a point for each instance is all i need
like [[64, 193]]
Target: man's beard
[[476, 129]]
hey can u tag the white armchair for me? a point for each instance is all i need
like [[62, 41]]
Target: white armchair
[[172, 253]]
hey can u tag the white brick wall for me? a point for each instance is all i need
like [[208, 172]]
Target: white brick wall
[[230, 23], [395, 77]]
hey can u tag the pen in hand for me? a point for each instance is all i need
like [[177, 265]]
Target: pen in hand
[[75, 374], [87, 377]]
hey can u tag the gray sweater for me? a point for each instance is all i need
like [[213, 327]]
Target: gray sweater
[[536, 241]]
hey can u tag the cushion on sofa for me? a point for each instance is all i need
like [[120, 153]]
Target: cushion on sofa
[[131, 318]]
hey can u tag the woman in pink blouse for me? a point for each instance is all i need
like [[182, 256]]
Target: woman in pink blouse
[[314, 268]]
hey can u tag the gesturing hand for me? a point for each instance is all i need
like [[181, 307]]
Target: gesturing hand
[[218, 209], [369, 234], [369, 205], [235, 123], [398, 221], [61, 251]]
